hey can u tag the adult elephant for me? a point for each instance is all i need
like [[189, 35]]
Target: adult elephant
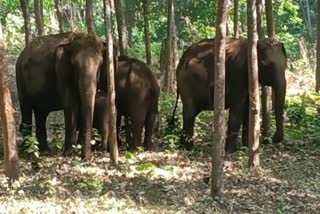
[[39, 69], [78, 65], [195, 83], [137, 98]]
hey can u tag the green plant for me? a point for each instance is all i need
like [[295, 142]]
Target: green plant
[[91, 186], [31, 145], [57, 138]]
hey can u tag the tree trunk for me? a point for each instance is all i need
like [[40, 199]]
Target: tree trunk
[[89, 16], [304, 5], [270, 21], [112, 139], [219, 102], [271, 31], [318, 50], [169, 73], [38, 16], [265, 92], [26, 17], [122, 29], [11, 165], [147, 31], [58, 7], [254, 98], [236, 19], [130, 19]]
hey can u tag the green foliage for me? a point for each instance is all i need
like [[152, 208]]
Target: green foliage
[[90, 186], [147, 168], [57, 136], [32, 145], [302, 112]]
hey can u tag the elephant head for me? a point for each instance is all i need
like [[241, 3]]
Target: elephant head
[[272, 60], [78, 65]]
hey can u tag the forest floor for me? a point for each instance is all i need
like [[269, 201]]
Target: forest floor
[[167, 182]]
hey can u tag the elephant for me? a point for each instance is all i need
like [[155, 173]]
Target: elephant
[[59, 72], [137, 98], [78, 65], [195, 84]]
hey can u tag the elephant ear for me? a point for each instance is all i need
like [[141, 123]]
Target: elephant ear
[[63, 68]]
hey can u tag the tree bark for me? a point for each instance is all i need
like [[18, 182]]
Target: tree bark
[[265, 92], [89, 16], [219, 130], [130, 19], [39, 16], [57, 4], [254, 98], [318, 49], [11, 165], [270, 20], [147, 31], [112, 139], [171, 37], [122, 29], [26, 17], [236, 18]]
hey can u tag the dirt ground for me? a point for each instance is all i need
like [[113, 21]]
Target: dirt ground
[[167, 182]]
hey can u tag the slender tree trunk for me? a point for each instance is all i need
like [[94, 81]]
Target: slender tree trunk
[[254, 98], [111, 85], [169, 73], [26, 17], [265, 92], [130, 19], [38, 16], [270, 20], [89, 16], [11, 165], [304, 5], [271, 31], [122, 29], [219, 101], [147, 31], [318, 49], [58, 7], [236, 19]]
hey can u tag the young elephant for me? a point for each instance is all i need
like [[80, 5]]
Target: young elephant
[[137, 97]]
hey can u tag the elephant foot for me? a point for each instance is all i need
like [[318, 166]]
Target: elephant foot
[[187, 142], [151, 147], [86, 155], [68, 152], [230, 147], [278, 137]]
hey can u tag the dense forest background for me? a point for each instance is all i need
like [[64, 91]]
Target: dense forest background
[[194, 19]]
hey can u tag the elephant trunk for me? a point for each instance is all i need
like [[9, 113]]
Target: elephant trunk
[[280, 94]]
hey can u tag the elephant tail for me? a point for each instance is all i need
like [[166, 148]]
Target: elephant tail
[[173, 119]]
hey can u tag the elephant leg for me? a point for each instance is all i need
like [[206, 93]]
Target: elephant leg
[[234, 123], [149, 129], [245, 127], [25, 127], [189, 115], [71, 114], [128, 128], [41, 131], [280, 93], [119, 116], [137, 124]]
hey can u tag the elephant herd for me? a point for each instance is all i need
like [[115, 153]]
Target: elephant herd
[[67, 71]]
